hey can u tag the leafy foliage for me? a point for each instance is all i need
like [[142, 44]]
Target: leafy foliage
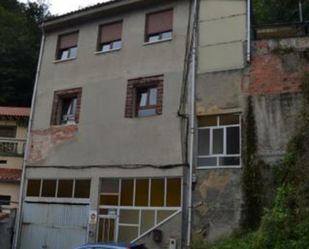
[[276, 11], [20, 36], [252, 178]]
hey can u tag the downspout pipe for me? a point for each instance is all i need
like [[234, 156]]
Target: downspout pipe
[[300, 4], [248, 31], [18, 222], [192, 120]]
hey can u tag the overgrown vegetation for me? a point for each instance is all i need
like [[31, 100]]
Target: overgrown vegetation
[[252, 178], [286, 224], [279, 11]]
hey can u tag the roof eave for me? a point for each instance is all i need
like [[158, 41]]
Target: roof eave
[[95, 12]]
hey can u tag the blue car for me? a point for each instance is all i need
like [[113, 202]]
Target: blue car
[[111, 246]]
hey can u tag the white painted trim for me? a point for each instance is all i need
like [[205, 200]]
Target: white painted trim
[[142, 207], [69, 59], [160, 41], [57, 200], [156, 226], [218, 167], [105, 52]]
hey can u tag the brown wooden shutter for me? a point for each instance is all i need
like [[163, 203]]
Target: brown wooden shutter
[[160, 22], [110, 32], [7, 131], [67, 41]]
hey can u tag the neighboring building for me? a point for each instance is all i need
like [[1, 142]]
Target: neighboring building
[[13, 130], [220, 110]]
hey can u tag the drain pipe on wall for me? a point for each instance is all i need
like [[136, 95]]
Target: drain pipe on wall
[[192, 119], [18, 222], [248, 31], [300, 6]]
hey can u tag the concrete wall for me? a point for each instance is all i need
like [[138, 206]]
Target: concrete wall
[[222, 31], [276, 73], [217, 204], [104, 136]]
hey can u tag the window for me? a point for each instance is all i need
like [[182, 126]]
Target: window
[[7, 131], [67, 46], [159, 26], [62, 188], [66, 107], [144, 97], [219, 141], [5, 200], [110, 37], [129, 207]]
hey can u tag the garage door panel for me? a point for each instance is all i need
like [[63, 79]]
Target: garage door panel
[[66, 238], [33, 236], [57, 226]]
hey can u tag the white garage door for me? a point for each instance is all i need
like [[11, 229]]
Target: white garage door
[[54, 226]]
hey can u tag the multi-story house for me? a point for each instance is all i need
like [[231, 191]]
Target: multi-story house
[[13, 127], [107, 156]]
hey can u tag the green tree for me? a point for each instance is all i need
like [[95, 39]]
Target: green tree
[[277, 11], [20, 36]]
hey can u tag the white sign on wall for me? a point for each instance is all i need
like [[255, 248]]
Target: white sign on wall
[[93, 216]]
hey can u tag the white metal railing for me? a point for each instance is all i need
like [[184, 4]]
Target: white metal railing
[[12, 146]]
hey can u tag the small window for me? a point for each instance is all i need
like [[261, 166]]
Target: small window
[[5, 200], [219, 141], [7, 131], [66, 107], [159, 26], [110, 37], [144, 97], [67, 46]]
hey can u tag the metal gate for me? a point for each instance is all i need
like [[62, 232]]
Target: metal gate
[[54, 226]]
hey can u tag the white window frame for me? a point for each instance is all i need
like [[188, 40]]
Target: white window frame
[[224, 154]]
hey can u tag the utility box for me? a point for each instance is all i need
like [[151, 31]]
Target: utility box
[[173, 244]]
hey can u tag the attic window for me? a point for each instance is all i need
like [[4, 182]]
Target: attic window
[[67, 46], [159, 26], [110, 37]]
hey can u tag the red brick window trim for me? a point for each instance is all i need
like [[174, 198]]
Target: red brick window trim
[[133, 91], [60, 99]]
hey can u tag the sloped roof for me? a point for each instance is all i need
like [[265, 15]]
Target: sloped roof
[[14, 111], [10, 175], [96, 11]]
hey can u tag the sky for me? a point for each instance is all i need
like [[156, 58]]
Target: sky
[[59, 7]]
